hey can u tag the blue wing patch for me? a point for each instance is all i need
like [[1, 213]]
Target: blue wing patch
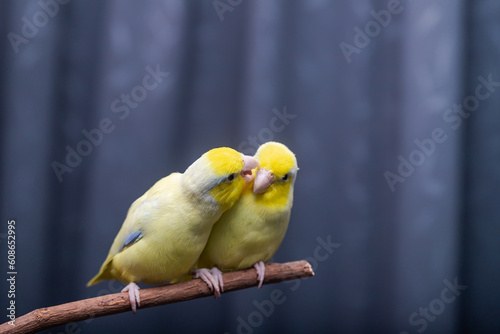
[[131, 239]]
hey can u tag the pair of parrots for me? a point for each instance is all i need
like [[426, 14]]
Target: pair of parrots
[[227, 211]]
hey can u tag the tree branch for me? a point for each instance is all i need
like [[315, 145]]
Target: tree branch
[[49, 317]]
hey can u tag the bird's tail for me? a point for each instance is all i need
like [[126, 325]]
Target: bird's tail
[[96, 279], [102, 275]]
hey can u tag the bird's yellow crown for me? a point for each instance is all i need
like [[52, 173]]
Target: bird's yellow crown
[[278, 159], [225, 161]]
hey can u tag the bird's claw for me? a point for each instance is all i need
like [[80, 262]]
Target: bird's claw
[[260, 267], [217, 274], [133, 295], [207, 277]]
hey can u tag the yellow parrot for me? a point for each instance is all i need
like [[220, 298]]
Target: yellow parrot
[[167, 228], [250, 233]]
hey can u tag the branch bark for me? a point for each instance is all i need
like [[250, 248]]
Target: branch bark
[[53, 316]]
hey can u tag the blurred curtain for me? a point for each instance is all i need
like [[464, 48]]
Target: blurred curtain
[[399, 155]]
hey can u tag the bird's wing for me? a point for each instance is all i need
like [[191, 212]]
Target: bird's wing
[[141, 213]]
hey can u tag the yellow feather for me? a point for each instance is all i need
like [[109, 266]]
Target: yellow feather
[[224, 162], [174, 219], [253, 229]]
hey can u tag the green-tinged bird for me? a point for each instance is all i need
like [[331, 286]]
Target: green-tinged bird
[[167, 228], [250, 233]]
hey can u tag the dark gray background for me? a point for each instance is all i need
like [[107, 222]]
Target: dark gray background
[[352, 122]]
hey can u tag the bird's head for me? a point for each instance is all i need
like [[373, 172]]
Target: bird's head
[[275, 178], [220, 175]]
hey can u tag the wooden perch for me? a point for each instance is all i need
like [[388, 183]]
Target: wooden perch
[[49, 317]]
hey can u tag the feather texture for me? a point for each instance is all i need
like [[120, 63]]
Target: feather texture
[[253, 229], [167, 228]]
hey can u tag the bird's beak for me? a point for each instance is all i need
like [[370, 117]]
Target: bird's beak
[[249, 163], [263, 179]]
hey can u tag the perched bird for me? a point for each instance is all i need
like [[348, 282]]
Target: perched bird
[[250, 233], [167, 228]]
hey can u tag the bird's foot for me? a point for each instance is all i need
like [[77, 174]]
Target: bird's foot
[[207, 277], [217, 274], [133, 295], [260, 267]]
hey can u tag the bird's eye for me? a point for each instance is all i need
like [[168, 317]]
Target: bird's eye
[[231, 177], [284, 178]]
